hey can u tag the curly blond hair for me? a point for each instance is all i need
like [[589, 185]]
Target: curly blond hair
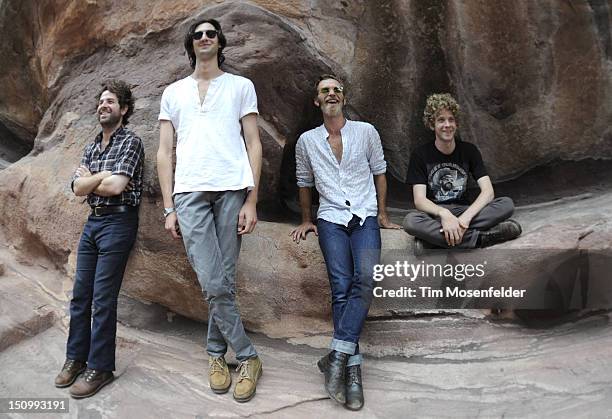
[[437, 102]]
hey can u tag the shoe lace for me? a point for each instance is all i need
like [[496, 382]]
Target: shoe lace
[[216, 365], [505, 230], [68, 364], [90, 374], [353, 376], [495, 234], [244, 371]]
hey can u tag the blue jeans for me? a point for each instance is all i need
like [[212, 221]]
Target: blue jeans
[[350, 254], [102, 256]]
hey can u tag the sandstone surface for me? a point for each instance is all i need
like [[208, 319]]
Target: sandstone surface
[[435, 366], [533, 79]]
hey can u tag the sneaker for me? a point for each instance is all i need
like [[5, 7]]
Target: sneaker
[[502, 232], [250, 371], [90, 383], [218, 375], [69, 373]]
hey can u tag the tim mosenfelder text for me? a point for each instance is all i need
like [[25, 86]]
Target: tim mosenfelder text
[[459, 272]]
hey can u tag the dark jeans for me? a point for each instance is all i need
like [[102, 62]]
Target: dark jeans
[[102, 256], [350, 255]]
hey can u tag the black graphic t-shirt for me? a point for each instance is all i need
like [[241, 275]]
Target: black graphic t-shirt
[[446, 176]]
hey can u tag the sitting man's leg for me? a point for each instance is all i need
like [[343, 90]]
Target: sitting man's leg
[[350, 254], [487, 228], [492, 224], [365, 246], [335, 245], [493, 213]]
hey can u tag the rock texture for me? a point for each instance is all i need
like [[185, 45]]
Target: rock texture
[[519, 69], [445, 366], [533, 79]]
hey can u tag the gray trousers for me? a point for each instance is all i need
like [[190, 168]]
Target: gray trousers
[[209, 225], [425, 227]]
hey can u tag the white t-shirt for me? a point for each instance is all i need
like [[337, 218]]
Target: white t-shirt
[[210, 152]]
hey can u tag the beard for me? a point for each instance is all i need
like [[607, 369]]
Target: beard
[[112, 120], [332, 109]]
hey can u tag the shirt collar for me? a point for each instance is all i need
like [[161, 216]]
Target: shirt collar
[[322, 131], [118, 131]]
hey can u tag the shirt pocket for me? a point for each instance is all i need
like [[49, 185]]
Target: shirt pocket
[[102, 165]]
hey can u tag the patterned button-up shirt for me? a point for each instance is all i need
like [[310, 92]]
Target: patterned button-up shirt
[[345, 188], [124, 155]]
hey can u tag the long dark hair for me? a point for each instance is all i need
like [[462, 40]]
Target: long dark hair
[[189, 41]]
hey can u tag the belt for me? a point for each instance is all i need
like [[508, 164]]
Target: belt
[[111, 209]]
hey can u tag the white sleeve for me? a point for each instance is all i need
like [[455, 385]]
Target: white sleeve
[[303, 168], [376, 157], [165, 108], [249, 99]]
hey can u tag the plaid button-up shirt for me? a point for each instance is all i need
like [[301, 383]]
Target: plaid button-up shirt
[[124, 155]]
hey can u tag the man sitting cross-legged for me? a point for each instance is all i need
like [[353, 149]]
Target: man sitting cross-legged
[[439, 173]]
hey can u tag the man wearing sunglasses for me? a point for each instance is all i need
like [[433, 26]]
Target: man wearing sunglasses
[[214, 196], [344, 160]]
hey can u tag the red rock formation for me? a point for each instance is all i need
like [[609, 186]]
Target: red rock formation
[[533, 79]]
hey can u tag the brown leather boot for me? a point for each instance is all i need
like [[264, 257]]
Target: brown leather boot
[[70, 371], [90, 383]]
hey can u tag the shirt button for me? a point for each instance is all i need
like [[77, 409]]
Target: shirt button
[[347, 202]]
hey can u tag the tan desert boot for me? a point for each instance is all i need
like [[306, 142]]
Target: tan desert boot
[[250, 371], [219, 375]]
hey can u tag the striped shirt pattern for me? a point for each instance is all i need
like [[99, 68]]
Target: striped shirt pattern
[[345, 188], [124, 155]]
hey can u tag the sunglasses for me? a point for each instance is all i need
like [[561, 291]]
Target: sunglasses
[[210, 34], [337, 90]]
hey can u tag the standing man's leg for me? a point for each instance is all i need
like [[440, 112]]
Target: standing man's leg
[[79, 332], [195, 217], [115, 242], [197, 214], [114, 238], [226, 210]]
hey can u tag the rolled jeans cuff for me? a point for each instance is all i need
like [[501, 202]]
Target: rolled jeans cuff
[[354, 360], [343, 346]]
